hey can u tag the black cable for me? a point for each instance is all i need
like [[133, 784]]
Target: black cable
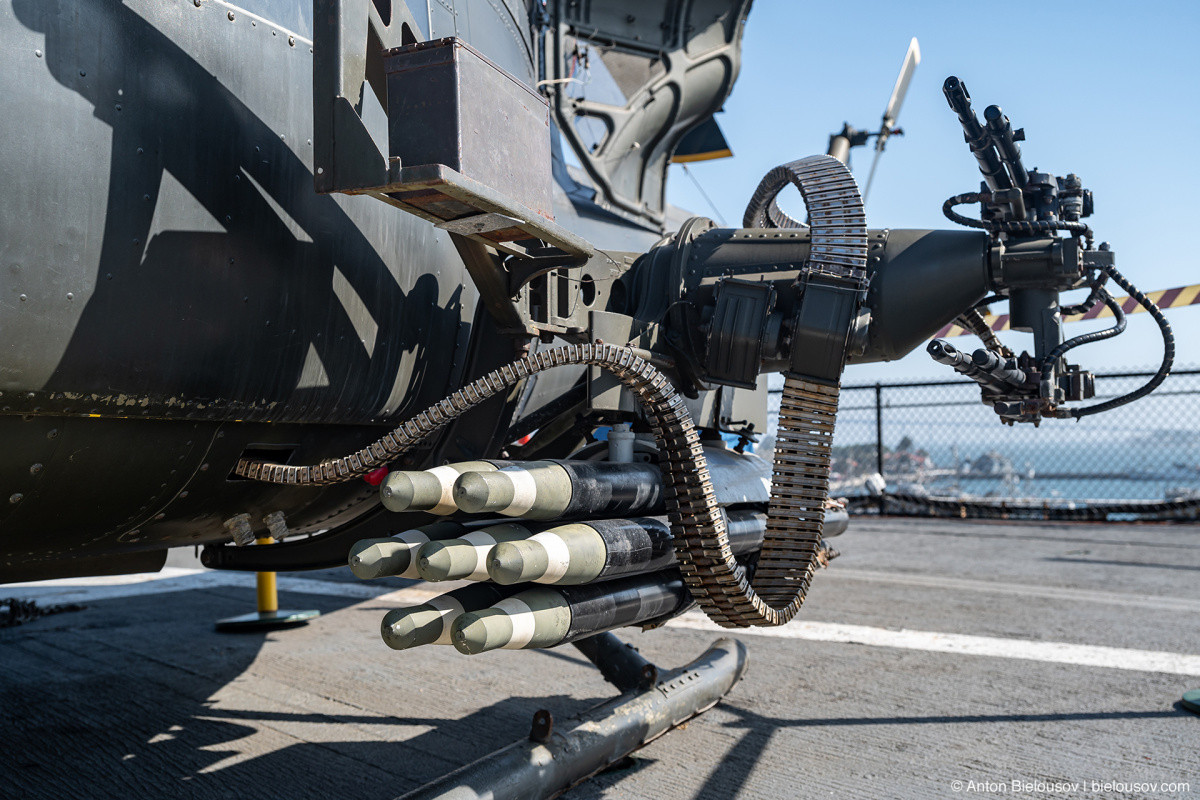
[[990, 300], [1090, 301], [1164, 368], [1087, 338], [954, 216], [974, 322], [1017, 227]]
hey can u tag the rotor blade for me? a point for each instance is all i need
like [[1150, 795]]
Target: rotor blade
[[871, 174], [911, 59], [892, 112]]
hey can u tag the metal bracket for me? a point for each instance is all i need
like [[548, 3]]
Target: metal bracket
[[676, 66], [822, 329], [737, 332], [450, 200], [349, 37]]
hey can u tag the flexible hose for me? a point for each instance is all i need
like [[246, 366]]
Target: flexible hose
[[1087, 338], [1090, 301], [974, 322], [1164, 369], [1015, 227]]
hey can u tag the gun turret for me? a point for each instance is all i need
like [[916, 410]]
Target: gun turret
[[1030, 265]]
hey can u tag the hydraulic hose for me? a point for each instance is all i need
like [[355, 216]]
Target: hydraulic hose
[[1087, 338], [1164, 368], [1015, 227], [1094, 296]]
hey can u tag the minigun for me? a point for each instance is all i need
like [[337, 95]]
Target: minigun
[[778, 295], [1023, 211]]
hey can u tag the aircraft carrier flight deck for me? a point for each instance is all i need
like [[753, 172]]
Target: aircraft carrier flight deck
[[934, 658]]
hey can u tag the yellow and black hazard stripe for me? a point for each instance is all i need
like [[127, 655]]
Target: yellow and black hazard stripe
[[1163, 298]]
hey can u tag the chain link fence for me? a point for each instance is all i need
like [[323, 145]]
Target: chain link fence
[[934, 448]]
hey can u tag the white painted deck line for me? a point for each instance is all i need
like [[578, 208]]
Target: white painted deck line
[[1156, 602], [962, 644], [179, 579], [85, 590]]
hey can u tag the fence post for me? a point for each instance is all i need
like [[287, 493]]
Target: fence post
[[879, 443]]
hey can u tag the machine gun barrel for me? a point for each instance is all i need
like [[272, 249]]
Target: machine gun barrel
[[1001, 132], [992, 376], [978, 137], [992, 365]]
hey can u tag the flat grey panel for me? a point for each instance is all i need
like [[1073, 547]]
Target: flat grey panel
[[182, 262]]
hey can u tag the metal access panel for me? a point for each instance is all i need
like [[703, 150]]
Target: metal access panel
[[448, 104]]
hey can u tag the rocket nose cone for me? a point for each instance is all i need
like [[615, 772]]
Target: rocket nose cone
[[403, 628], [517, 562], [445, 561], [483, 491], [481, 631], [372, 558], [410, 490], [396, 491]]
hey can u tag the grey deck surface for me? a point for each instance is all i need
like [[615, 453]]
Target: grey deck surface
[[138, 696]]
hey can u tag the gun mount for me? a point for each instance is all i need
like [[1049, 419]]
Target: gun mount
[[1023, 211], [738, 302]]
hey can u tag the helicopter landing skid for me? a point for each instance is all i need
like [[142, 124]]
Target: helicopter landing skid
[[551, 761]]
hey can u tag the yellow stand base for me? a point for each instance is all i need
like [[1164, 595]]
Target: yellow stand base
[[268, 617]]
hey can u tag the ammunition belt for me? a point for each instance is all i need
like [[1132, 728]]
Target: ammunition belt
[[800, 484], [808, 408]]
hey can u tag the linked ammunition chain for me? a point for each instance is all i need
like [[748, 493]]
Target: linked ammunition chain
[[702, 545], [808, 408], [801, 470]]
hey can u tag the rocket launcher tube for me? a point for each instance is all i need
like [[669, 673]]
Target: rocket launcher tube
[[376, 558], [542, 490], [530, 619], [466, 556], [546, 617], [570, 555], [429, 490], [429, 623]]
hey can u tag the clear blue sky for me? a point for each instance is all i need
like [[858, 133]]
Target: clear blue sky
[[1107, 90]]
